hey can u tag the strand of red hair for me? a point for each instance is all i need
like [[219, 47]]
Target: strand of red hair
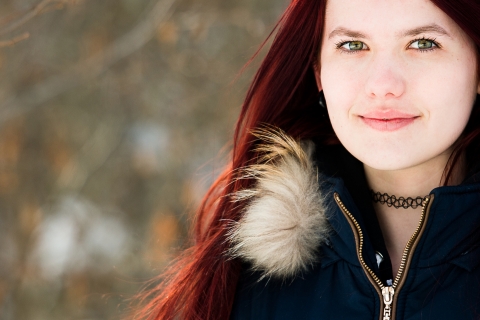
[[201, 283]]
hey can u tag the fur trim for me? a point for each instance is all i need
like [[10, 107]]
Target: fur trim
[[284, 222]]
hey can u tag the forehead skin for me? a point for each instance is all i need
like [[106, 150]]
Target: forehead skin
[[387, 18], [366, 12]]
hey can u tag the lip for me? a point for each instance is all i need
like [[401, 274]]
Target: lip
[[388, 120]]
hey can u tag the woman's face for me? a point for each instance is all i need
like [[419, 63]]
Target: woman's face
[[400, 79]]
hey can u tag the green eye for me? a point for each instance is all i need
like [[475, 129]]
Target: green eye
[[423, 44], [351, 46], [354, 45]]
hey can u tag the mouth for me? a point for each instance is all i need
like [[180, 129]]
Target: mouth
[[390, 120]]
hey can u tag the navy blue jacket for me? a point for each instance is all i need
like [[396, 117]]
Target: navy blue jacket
[[441, 279]]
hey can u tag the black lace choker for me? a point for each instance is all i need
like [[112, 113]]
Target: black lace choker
[[393, 201]]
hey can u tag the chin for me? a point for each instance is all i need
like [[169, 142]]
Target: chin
[[386, 166], [389, 162]]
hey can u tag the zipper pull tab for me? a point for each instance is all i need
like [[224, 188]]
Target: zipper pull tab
[[387, 293]]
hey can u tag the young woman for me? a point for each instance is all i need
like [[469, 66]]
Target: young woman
[[354, 185]]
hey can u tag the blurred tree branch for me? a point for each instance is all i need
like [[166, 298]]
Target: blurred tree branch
[[50, 88], [14, 40], [100, 147], [19, 19]]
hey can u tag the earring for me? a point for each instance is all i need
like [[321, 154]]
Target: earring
[[321, 100], [323, 104]]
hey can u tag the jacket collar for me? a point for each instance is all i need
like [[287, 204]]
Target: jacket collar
[[452, 230], [452, 233]]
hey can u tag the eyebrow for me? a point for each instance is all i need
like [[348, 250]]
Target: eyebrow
[[432, 28], [341, 31]]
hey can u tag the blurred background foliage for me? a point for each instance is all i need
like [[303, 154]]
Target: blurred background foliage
[[115, 116]]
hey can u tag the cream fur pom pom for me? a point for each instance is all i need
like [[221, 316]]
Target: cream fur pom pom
[[284, 222]]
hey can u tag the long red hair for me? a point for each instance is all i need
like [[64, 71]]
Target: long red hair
[[201, 283]]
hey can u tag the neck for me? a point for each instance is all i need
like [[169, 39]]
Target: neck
[[398, 225], [414, 181]]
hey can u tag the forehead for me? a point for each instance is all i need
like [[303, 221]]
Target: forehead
[[383, 16]]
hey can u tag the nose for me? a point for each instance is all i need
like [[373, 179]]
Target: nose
[[385, 78]]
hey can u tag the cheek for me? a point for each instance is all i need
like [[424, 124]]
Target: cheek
[[449, 83], [342, 86], [447, 124], [446, 95]]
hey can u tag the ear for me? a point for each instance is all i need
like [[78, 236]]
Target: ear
[[316, 71]]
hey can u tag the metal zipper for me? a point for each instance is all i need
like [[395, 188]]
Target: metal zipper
[[387, 293]]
